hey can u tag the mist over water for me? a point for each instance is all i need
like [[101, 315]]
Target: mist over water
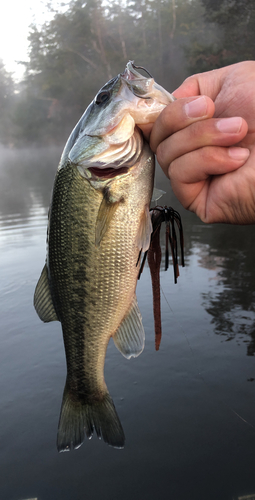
[[26, 177]]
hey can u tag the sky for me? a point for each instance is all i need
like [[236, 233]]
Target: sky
[[16, 16]]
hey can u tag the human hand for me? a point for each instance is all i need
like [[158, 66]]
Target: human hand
[[206, 145]]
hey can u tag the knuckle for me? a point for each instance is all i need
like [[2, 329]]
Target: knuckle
[[172, 169], [160, 153], [212, 155], [201, 133], [207, 154], [166, 117], [198, 129], [164, 153]]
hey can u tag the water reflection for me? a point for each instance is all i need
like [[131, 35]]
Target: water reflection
[[231, 300], [247, 497], [15, 229]]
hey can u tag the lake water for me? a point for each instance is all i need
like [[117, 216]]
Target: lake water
[[188, 410]]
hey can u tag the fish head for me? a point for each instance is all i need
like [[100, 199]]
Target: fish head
[[106, 141]]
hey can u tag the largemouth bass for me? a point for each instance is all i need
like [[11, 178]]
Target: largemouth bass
[[99, 222]]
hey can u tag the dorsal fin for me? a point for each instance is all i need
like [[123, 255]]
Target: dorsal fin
[[42, 298]]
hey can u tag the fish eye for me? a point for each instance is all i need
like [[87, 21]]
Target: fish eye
[[103, 97]]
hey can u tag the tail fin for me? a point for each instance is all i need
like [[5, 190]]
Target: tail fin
[[78, 418]]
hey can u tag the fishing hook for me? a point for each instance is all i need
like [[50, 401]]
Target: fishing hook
[[141, 67]]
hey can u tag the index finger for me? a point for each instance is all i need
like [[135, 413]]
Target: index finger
[[178, 115]]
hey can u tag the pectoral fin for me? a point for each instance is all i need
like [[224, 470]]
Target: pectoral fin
[[145, 230], [105, 214], [157, 194], [130, 337], [42, 299]]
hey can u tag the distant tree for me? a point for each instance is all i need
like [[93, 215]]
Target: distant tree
[[83, 46], [6, 105], [234, 24]]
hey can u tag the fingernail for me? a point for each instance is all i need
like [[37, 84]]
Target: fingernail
[[196, 108], [229, 125], [238, 153]]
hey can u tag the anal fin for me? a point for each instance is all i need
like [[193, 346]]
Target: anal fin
[[42, 299], [130, 337]]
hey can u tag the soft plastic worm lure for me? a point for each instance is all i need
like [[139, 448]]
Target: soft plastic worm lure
[[171, 218]]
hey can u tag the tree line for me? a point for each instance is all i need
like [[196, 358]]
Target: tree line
[[88, 42]]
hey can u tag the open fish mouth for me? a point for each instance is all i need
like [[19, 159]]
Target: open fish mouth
[[145, 87], [130, 72], [130, 75]]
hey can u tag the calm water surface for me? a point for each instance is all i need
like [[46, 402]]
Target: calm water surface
[[188, 410]]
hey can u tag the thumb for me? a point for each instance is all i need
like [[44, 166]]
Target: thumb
[[189, 88]]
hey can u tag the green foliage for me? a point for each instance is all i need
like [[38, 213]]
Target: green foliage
[[235, 23]]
